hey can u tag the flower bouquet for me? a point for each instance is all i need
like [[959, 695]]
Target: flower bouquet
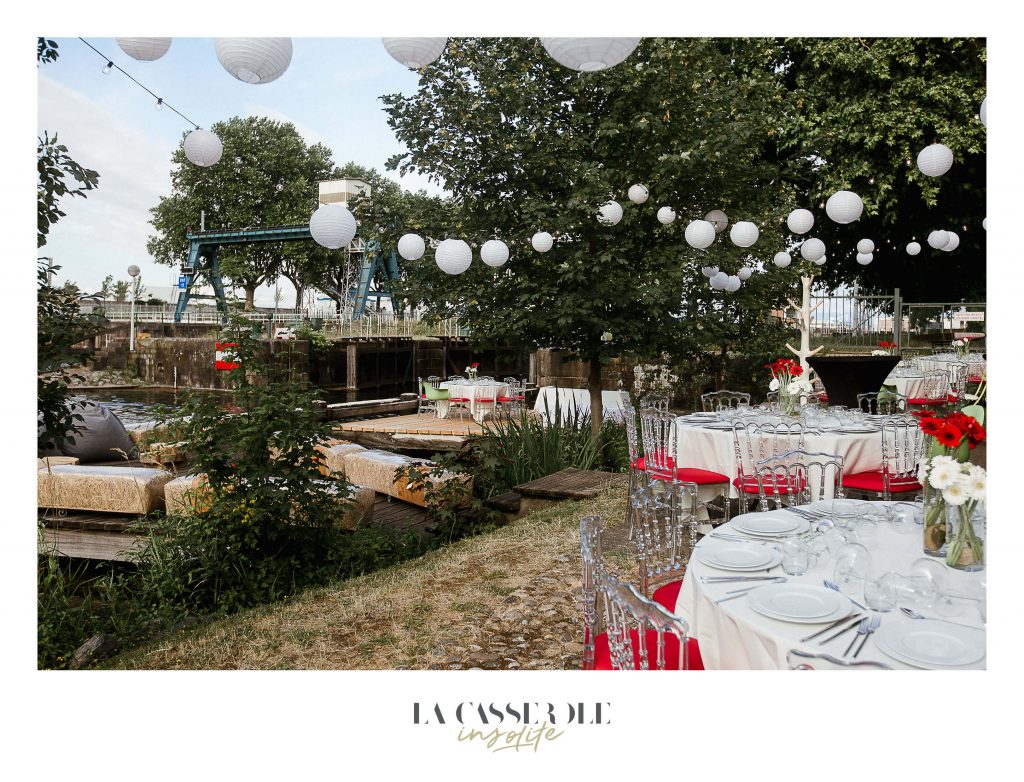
[[962, 346], [473, 370], [963, 488], [953, 437], [885, 348], [787, 381]]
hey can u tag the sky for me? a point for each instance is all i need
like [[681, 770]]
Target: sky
[[330, 92]]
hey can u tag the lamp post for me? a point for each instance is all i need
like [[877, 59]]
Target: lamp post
[[133, 272]]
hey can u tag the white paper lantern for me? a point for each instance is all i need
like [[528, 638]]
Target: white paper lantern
[[453, 256], [610, 213], [913, 248], [638, 194], [666, 215], [782, 260], [589, 54], [203, 147], [332, 226], [984, 223], [844, 207], [865, 258], [254, 60], [744, 233], [938, 239], [709, 271], [717, 218], [542, 241], [494, 252], [981, 111], [700, 234], [865, 246], [952, 243], [719, 281], [144, 49], [411, 247], [415, 53], [935, 160], [732, 283], [820, 261], [812, 249], [800, 221], [744, 273]]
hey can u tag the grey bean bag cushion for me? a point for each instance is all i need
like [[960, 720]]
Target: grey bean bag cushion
[[100, 437]]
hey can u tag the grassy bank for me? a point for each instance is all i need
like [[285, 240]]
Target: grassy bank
[[506, 599]]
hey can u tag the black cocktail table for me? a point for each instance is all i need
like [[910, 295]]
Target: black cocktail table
[[846, 376]]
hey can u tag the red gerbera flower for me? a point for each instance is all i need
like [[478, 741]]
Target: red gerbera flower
[[950, 436], [930, 426]]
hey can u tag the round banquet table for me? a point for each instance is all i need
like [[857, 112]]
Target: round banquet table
[[908, 385], [712, 447], [472, 391], [733, 636]]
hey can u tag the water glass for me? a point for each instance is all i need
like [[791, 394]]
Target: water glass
[[903, 519], [853, 563], [880, 594], [796, 557]]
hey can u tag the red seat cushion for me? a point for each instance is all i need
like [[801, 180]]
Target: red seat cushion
[[700, 477], [923, 400], [641, 464], [483, 399], [603, 655], [748, 485], [667, 594], [458, 399], [822, 397], [974, 379], [873, 481]]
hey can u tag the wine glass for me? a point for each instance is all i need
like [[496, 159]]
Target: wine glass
[[853, 563]]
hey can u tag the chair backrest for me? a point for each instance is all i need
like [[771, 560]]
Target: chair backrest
[[716, 400], [511, 380], [658, 435], [882, 403], [958, 373], [657, 401], [632, 440], [434, 381], [799, 476], [664, 533], [756, 441], [591, 532], [434, 394], [902, 451], [630, 619], [935, 384], [799, 660]]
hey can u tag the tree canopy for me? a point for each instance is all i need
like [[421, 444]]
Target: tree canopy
[[267, 176]]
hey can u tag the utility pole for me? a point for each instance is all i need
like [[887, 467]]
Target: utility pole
[[133, 272]]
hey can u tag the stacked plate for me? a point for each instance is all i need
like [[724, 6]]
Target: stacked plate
[[857, 429], [801, 603], [928, 643], [770, 525], [738, 556]]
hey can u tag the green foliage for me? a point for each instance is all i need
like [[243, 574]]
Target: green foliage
[[46, 51], [317, 338], [55, 167], [120, 291], [241, 191], [454, 513], [863, 108]]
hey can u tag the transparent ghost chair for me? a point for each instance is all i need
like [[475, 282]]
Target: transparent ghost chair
[[902, 451], [799, 477], [665, 536], [755, 441], [713, 401]]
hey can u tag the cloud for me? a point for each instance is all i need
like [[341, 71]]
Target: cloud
[[106, 231]]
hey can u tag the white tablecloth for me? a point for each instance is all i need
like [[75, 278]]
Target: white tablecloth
[[575, 399], [732, 636], [909, 386], [715, 450], [472, 392]]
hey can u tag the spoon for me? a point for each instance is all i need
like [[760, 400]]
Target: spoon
[[835, 588], [915, 615]]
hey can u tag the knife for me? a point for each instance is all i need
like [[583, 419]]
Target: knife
[[832, 626], [844, 630]]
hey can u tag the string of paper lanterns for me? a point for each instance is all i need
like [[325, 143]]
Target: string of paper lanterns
[[332, 226], [610, 213], [254, 60], [935, 160], [144, 49], [453, 256], [411, 247], [203, 147], [494, 252], [589, 54], [415, 53]]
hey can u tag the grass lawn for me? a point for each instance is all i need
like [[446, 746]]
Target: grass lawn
[[505, 600]]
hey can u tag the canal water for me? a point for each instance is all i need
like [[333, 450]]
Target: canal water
[[135, 405]]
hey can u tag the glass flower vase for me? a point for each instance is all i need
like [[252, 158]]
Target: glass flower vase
[[934, 522], [789, 404], [965, 537]]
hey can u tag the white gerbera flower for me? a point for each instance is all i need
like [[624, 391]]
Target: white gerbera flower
[[954, 494], [976, 486], [922, 473], [943, 459], [793, 387], [879, 353], [774, 385], [944, 475]]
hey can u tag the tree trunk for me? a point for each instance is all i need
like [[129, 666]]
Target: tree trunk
[[250, 297], [596, 409], [299, 290]]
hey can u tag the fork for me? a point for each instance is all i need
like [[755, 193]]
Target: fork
[[862, 629], [873, 625]]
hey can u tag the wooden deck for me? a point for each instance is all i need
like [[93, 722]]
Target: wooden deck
[[569, 484], [422, 432]]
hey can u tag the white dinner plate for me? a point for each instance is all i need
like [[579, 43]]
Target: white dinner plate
[[738, 556], [801, 603], [927, 643], [858, 430], [770, 524]]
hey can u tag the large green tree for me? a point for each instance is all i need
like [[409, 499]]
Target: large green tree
[[267, 176], [525, 145], [863, 110]]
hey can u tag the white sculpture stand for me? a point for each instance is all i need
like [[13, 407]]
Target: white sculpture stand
[[804, 317]]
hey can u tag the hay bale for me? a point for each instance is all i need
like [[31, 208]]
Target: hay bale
[[333, 456], [376, 469], [361, 509], [164, 453], [108, 489], [47, 462], [187, 494]]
